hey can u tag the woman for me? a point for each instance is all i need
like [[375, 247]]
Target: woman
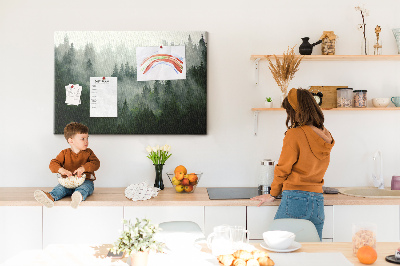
[[299, 174]]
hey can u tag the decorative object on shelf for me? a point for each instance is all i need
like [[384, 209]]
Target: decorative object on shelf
[[329, 93], [318, 97], [137, 240], [378, 44], [283, 71], [396, 33], [364, 43], [396, 101], [360, 98], [328, 43], [380, 102], [268, 102], [158, 155], [306, 47], [141, 191], [344, 97]]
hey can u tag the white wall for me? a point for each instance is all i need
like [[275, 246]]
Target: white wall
[[229, 153]]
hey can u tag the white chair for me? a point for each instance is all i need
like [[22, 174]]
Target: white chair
[[304, 230], [178, 234]]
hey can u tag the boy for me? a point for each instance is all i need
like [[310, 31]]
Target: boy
[[77, 160]]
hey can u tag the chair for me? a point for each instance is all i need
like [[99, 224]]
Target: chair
[[179, 230], [304, 230]]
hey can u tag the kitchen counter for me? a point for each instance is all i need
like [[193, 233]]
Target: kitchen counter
[[23, 196]]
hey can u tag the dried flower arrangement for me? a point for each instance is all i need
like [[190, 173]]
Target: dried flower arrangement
[[283, 71], [364, 13]]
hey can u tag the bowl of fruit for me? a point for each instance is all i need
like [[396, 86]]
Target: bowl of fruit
[[183, 181]]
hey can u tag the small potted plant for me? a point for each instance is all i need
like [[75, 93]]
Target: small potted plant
[[137, 240], [268, 102]]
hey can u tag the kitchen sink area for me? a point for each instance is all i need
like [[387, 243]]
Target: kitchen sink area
[[370, 192]]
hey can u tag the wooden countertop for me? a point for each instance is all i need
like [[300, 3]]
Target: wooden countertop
[[23, 196]]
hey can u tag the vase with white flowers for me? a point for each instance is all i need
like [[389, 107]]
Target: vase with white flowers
[[364, 43], [136, 240], [158, 155]]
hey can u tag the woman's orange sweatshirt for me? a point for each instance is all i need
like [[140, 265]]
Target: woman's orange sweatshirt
[[303, 161]]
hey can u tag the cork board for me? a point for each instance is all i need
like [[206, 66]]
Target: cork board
[[329, 98]]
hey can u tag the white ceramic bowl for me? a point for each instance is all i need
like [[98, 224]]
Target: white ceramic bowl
[[280, 240], [72, 181], [380, 102]]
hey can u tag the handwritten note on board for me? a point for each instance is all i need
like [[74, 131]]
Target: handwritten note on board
[[103, 97]]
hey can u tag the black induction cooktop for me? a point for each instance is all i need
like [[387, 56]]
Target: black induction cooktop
[[225, 193]]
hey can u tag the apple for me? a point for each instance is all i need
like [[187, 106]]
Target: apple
[[175, 181], [185, 182], [192, 178], [189, 188], [179, 175], [179, 188]]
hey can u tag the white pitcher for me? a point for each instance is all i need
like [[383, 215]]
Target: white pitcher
[[220, 241]]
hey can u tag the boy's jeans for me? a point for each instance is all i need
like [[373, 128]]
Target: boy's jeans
[[86, 189], [306, 205]]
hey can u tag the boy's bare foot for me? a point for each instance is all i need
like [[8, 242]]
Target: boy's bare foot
[[44, 198], [76, 199]]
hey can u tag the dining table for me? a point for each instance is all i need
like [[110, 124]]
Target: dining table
[[72, 254]]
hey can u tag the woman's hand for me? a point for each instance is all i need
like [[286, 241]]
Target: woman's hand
[[263, 198]]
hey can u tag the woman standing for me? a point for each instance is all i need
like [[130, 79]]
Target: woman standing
[[305, 156]]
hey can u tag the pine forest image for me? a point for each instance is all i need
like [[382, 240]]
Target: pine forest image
[[170, 106]]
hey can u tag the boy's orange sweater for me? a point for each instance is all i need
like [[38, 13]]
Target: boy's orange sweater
[[303, 161], [71, 161]]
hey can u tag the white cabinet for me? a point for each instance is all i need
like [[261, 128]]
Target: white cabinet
[[218, 215], [85, 225], [386, 217], [20, 229], [159, 214], [259, 219]]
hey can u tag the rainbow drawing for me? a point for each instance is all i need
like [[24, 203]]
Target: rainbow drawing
[[170, 60]]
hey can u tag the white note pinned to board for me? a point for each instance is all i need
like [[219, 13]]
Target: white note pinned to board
[[103, 97]]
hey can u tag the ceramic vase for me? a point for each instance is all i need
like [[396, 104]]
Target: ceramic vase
[[139, 258], [159, 181], [396, 33], [268, 104]]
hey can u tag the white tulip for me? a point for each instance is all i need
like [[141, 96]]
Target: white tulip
[[148, 149], [167, 148], [158, 147]]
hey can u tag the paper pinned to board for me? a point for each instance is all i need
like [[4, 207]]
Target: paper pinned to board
[[73, 94], [103, 97], [161, 63]]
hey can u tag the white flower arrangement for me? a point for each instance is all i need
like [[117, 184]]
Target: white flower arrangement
[[364, 13], [137, 237], [157, 154]]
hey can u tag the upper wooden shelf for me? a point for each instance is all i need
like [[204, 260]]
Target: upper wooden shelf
[[337, 57], [333, 109]]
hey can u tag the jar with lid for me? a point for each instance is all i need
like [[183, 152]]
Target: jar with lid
[[266, 176], [344, 97], [360, 98]]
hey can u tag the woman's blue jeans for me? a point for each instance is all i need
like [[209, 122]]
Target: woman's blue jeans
[[86, 189], [306, 205]]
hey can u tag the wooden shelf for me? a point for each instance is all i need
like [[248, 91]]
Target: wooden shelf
[[337, 57], [333, 109]]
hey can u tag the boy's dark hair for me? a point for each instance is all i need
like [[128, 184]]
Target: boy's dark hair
[[74, 128], [309, 113]]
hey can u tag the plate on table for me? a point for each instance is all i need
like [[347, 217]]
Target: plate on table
[[293, 247], [392, 259]]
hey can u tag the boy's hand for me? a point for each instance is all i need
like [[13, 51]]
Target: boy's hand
[[63, 171], [80, 171], [263, 198]]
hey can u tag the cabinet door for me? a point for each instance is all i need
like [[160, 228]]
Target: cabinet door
[[159, 214], [20, 229], [386, 217], [85, 225], [218, 215], [259, 219]]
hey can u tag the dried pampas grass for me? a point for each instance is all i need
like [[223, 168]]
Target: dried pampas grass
[[283, 71]]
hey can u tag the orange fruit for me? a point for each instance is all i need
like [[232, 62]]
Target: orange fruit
[[180, 169], [367, 255]]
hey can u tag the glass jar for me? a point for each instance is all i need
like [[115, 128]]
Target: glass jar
[[344, 97], [364, 234], [266, 176], [360, 98]]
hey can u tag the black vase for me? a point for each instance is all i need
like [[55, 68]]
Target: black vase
[[159, 181], [306, 48]]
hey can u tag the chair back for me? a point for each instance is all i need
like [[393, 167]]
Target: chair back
[[304, 230]]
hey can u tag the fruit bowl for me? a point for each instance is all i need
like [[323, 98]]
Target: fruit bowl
[[72, 181], [186, 183]]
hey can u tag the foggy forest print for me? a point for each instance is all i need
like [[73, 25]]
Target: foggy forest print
[[144, 107]]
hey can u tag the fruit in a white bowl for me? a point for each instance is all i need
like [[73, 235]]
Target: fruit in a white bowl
[[277, 239]]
